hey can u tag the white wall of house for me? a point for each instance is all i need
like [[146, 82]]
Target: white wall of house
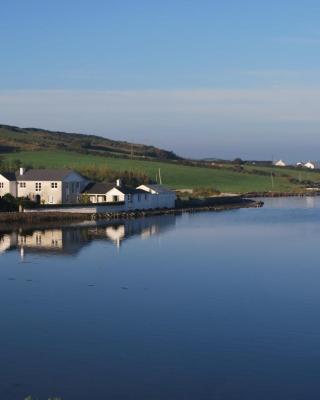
[[49, 192], [134, 201], [115, 195], [7, 186], [53, 192]]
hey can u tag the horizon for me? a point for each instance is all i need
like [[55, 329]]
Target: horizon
[[207, 80]]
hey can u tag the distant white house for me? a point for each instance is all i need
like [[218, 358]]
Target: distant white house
[[46, 186], [280, 163], [311, 165]]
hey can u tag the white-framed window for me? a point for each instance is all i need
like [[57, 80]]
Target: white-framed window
[[54, 185], [1, 185], [38, 186], [22, 184]]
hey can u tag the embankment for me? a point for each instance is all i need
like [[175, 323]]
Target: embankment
[[66, 216]]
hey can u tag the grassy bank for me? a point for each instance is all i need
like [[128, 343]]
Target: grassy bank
[[226, 179]]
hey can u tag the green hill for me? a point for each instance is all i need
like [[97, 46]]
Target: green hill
[[101, 158], [14, 139], [226, 178]]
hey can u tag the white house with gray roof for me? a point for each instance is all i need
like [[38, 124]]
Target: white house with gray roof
[[132, 199], [46, 186], [63, 186], [144, 197]]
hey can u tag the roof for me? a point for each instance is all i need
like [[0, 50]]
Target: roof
[[98, 188], [158, 188], [129, 190], [11, 176], [103, 188], [43, 175]]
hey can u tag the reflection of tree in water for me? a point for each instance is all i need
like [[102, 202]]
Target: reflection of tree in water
[[70, 240]]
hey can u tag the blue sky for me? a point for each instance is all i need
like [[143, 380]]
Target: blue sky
[[204, 78]]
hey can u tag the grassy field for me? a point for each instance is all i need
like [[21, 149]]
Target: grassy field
[[174, 175]]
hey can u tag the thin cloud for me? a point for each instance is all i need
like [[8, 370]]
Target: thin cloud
[[300, 40], [187, 121]]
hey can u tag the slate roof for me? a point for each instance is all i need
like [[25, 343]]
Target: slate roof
[[11, 176], [103, 188], [98, 188], [43, 175]]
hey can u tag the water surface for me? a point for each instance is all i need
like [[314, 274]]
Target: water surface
[[203, 306]]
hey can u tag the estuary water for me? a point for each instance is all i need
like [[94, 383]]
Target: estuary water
[[199, 306]]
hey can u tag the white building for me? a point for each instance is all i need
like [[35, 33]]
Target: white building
[[311, 165], [45, 186], [280, 163], [144, 197], [162, 196], [130, 198]]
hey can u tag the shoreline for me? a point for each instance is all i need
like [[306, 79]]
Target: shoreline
[[253, 195], [17, 219]]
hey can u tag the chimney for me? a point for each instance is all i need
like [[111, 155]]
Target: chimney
[[118, 182], [22, 171]]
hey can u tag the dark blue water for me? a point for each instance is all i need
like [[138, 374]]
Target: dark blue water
[[204, 306]]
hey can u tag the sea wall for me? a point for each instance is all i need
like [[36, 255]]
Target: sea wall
[[69, 214]]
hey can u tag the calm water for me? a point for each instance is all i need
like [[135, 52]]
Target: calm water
[[204, 306]]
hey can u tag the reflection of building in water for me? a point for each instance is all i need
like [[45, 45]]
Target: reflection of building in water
[[53, 241], [47, 240], [70, 240], [145, 227]]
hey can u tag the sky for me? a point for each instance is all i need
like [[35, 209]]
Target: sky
[[202, 78]]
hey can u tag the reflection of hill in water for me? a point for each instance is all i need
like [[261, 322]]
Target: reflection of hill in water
[[70, 240]]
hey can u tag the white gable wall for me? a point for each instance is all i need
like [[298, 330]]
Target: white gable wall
[[114, 195], [7, 186]]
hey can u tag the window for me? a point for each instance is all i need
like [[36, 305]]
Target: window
[[22, 184], [115, 198], [145, 196], [139, 197], [54, 185], [1, 185], [38, 186], [73, 187], [129, 198]]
